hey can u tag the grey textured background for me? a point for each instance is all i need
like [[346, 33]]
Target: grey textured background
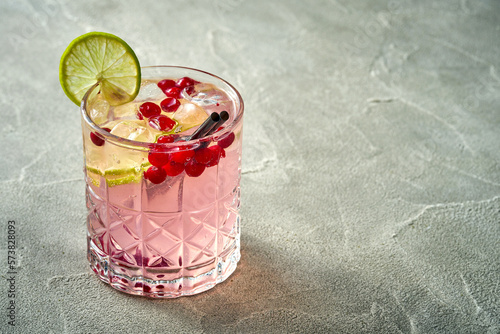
[[371, 176]]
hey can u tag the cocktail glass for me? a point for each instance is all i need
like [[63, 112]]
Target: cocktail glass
[[181, 236]]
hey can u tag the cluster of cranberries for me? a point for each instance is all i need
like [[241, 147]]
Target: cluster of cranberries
[[173, 88], [175, 160], [173, 91], [152, 111]]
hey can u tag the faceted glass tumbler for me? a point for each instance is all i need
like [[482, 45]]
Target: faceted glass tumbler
[[176, 238]]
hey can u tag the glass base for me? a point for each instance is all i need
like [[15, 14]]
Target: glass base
[[190, 283]]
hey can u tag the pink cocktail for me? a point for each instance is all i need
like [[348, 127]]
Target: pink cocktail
[[163, 205]]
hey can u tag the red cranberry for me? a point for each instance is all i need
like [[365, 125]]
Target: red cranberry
[[226, 141], [187, 84], [97, 138], [166, 139], [170, 104], [194, 169], [184, 82], [166, 84], [149, 109], [173, 168], [216, 152], [189, 90], [139, 116], [182, 156], [155, 174], [204, 155], [174, 92], [157, 157], [162, 123]]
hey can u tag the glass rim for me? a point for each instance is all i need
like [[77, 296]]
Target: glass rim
[[129, 143]]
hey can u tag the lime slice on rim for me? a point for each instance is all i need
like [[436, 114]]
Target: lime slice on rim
[[103, 58]]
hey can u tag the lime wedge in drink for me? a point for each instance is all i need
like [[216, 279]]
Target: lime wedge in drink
[[113, 160], [103, 58], [117, 165], [119, 177]]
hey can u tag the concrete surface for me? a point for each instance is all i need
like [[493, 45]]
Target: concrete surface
[[371, 178]]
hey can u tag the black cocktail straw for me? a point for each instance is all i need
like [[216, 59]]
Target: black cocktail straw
[[206, 127], [224, 116], [211, 126]]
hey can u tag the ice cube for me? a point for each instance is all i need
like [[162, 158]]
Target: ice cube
[[125, 111], [189, 115], [149, 92], [99, 109], [207, 95], [135, 130]]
